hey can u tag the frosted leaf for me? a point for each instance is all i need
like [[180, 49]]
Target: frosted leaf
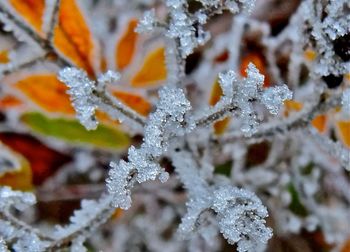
[[80, 91], [345, 101], [274, 97], [241, 218], [147, 22], [30, 242], [17, 199]]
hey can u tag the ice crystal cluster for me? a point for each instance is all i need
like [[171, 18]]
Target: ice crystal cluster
[[238, 135]]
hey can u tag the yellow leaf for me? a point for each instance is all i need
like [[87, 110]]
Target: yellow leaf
[[152, 71], [216, 93], [73, 36], [47, 92], [31, 10], [344, 132], [126, 46], [4, 57], [15, 170]]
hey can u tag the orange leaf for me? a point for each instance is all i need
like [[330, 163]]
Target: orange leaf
[[73, 36], [47, 92], [291, 105], [320, 122], [258, 60], [216, 93], [152, 71], [310, 55], [31, 10], [136, 102], [126, 46], [4, 57], [344, 132], [9, 101]]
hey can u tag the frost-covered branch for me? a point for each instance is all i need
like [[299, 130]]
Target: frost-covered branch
[[298, 121], [88, 95], [238, 96], [239, 213]]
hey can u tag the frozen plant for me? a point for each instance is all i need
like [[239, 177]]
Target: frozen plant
[[235, 133]]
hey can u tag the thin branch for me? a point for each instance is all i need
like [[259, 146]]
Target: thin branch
[[105, 212], [44, 43], [22, 225], [215, 115], [113, 103], [22, 25], [301, 120], [53, 20], [9, 68]]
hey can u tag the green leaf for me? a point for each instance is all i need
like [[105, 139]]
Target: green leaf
[[224, 169], [296, 206], [72, 131]]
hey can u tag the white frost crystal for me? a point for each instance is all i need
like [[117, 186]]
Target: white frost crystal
[[18, 199], [274, 97], [80, 91], [30, 242], [242, 93], [241, 218], [345, 101], [167, 121], [147, 22]]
